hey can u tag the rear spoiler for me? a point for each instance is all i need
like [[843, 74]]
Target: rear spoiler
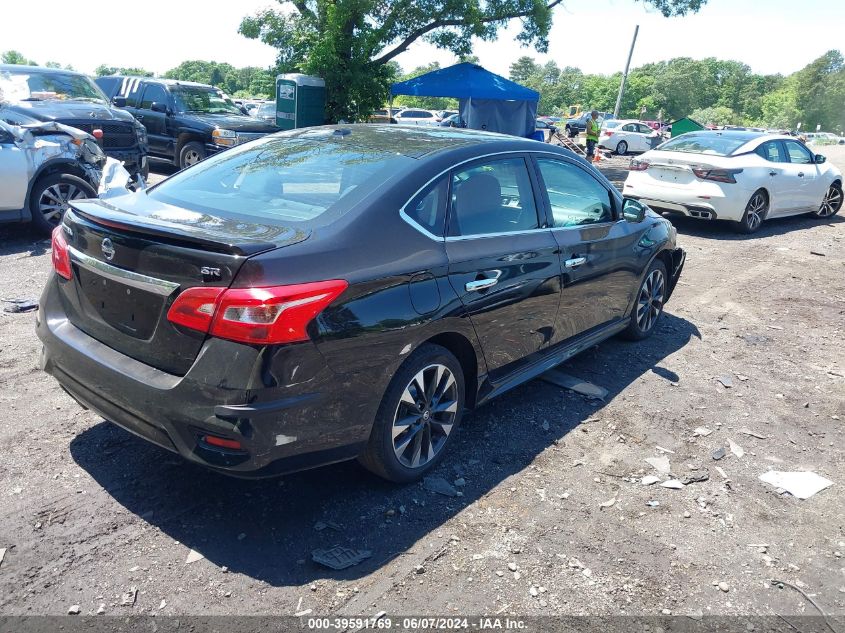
[[105, 214]]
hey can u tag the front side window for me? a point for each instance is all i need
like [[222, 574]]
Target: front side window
[[575, 196], [492, 197], [153, 93], [798, 153], [428, 209]]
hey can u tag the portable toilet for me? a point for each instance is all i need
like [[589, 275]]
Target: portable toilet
[[682, 126], [300, 101]]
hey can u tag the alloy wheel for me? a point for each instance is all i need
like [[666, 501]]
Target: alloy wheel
[[650, 301], [755, 211], [192, 157], [831, 203], [54, 201], [425, 416]]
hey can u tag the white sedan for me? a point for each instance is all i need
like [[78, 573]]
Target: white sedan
[[627, 136], [415, 116], [743, 176]]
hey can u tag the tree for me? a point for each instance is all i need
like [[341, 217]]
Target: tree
[[820, 88], [523, 69], [14, 57], [349, 42], [102, 71]]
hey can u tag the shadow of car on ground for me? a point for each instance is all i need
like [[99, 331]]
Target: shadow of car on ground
[[209, 512], [722, 230]]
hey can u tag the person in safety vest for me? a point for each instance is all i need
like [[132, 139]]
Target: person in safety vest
[[593, 131]]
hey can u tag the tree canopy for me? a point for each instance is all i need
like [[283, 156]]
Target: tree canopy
[[710, 90], [349, 43], [248, 81], [14, 57]]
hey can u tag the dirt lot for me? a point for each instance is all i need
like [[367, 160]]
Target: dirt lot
[[88, 512]]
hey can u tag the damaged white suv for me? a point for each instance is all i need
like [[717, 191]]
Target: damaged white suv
[[43, 167]]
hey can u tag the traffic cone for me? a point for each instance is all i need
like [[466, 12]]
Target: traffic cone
[[597, 156]]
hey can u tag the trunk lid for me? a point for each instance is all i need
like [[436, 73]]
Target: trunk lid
[[131, 256], [674, 169]]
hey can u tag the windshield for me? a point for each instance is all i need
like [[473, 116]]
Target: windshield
[[715, 145], [207, 100], [267, 109], [47, 86], [291, 180]]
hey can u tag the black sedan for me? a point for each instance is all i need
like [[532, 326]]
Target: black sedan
[[344, 292]]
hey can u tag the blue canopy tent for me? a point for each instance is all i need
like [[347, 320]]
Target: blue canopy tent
[[487, 100]]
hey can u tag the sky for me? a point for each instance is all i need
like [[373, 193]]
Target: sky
[[771, 36]]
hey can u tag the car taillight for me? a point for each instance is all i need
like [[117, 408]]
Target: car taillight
[[607, 133], [273, 315], [61, 254], [638, 165], [717, 175]]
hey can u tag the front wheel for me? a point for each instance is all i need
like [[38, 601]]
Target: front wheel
[[51, 196], [190, 154], [622, 148], [649, 306], [755, 212], [418, 415], [831, 203]]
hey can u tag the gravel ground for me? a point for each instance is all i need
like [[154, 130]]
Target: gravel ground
[[552, 517]]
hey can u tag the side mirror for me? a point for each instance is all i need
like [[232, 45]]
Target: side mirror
[[819, 159], [119, 102], [633, 210], [155, 106]]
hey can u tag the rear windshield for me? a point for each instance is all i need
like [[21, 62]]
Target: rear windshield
[[284, 179], [611, 124], [712, 144]]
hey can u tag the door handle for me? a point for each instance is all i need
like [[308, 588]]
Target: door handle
[[773, 173], [574, 262], [483, 283], [800, 174]]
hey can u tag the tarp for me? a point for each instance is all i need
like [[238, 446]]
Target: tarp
[[487, 100], [495, 115], [464, 81]]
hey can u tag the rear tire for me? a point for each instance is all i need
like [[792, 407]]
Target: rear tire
[[49, 199], [755, 213], [622, 148], [649, 305], [831, 203], [190, 154], [418, 416]]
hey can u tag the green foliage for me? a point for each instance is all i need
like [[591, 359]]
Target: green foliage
[[14, 57], [710, 90], [350, 42], [249, 81], [102, 71]]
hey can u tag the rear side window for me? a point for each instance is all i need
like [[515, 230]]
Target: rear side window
[[771, 151], [798, 153], [283, 178], [153, 93], [428, 209], [492, 197], [575, 196]]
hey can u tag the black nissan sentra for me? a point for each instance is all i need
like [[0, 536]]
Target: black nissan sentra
[[344, 292]]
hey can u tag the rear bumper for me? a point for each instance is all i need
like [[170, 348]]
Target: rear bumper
[[232, 391], [707, 202]]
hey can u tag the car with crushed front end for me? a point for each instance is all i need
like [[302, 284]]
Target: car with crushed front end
[[744, 176], [337, 292], [43, 167], [33, 93]]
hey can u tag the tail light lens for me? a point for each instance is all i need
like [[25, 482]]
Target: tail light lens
[[607, 133], [273, 315], [638, 165], [61, 254], [717, 175]]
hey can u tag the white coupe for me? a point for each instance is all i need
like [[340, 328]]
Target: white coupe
[[743, 176]]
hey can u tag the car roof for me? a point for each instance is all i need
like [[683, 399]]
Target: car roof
[[167, 82], [419, 141], [32, 70]]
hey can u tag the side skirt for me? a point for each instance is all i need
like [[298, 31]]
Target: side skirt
[[554, 357]]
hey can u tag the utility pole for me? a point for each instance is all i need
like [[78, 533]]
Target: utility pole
[[625, 74]]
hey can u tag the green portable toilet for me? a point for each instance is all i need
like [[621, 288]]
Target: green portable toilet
[[300, 101], [682, 126]]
